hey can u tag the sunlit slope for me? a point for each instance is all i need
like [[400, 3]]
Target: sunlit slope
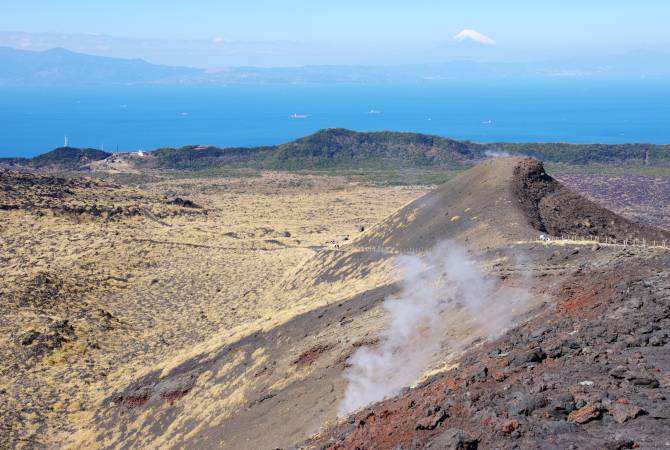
[[274, 382]]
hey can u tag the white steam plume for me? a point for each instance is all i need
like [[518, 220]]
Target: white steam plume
[[496, 153], [442, 288]]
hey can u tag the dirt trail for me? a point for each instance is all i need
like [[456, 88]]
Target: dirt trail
[[209, 346]]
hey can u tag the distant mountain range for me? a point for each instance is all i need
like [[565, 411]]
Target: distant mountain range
[[63, 67], [59, 66], [345, 149]]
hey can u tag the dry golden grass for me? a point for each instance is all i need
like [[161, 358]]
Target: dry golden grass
[[139, 292], [147, 292]]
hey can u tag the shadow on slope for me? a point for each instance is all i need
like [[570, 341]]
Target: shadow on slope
[[277, 383]]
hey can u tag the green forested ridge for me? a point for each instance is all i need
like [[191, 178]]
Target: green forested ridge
[[345, 149], [63, 158]]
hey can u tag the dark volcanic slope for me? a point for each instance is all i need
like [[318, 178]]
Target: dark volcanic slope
[[555, 209], [592, 371], [504, 199], [644, 199]]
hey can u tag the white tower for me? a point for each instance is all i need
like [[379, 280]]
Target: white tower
[[65, 141]]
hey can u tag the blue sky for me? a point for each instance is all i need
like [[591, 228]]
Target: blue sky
[[301, 31]]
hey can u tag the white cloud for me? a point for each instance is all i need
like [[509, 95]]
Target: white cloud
[[476, 36], [219, 40]]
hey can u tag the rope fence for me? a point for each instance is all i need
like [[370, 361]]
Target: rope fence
[[576, 239], [634, 242]]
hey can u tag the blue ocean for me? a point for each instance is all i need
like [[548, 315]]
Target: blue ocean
[[35, 120]]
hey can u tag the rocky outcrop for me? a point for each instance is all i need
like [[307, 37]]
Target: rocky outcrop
[[552, 208], [83, 197]]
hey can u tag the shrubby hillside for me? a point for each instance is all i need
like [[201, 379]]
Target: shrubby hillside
[[345, 149]]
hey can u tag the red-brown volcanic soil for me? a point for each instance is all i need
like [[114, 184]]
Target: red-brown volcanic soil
[[592, 370]]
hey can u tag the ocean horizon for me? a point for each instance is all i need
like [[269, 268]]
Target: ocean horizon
[[131, 118]]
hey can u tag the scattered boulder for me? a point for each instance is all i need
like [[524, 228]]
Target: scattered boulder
[[169, 390], [585, 414], [643, 381], [510, 426], [36, 344], [29, 337], [555, 352], [479, 374], [309, 356], [454, 439], [184, 203], [622, 412], [658, 340], [537, 334], [620, 444], [523, 404], [62, 326], [618, 372], [561, 406], [535, 355], [434, 416]]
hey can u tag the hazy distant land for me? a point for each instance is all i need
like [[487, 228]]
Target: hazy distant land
[[60, 66]]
